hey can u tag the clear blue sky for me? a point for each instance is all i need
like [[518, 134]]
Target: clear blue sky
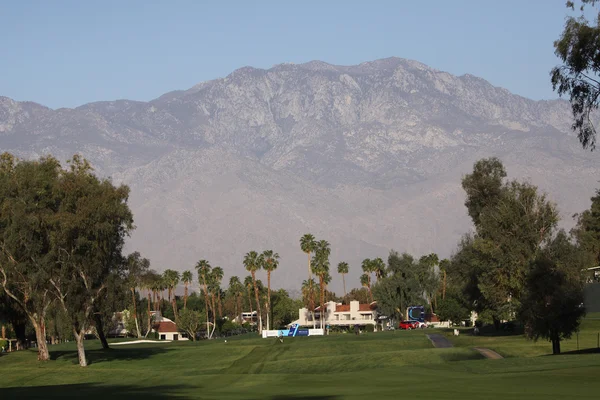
[[66, 53]]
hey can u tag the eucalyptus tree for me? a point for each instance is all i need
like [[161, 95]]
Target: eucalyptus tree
[[512, 222], [186, 277], [28, 199], [577, 76], [343, 269], [252, 263], [270, 262], [87, 238]]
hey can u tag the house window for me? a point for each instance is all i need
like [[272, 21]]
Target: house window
[[163, 337], [175, 337], [347, 317]]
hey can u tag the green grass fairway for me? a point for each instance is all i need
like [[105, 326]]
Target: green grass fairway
[[377, 365]]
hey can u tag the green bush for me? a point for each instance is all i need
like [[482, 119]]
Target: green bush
[[369, 328], [4, 343]]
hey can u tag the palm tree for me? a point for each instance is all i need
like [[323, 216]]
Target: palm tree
[[155, 284], [161, 286], [320, 267], [308, 293], [343, 268], [365, 281], [213, 288], [217, 274], [378, 266], [237, 290], [252, 263], [186, 277], [249, 284], [148, 281], [368, 266], [203, 268], [307, 244], [270, 262], [136, 268], [171, 278]]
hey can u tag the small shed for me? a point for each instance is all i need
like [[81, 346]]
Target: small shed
[[167, 330]]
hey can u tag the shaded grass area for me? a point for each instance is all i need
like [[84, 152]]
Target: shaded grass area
[[375, 365], [515, 344]]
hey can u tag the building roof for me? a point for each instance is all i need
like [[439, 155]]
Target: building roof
[[166, 326]]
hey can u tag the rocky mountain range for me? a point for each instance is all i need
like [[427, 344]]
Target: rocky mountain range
[[368, 156]]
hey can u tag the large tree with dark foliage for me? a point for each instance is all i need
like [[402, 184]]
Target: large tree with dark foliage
[[579, 50], [87, 236], [512, 220], [553, 304], [29, 202]]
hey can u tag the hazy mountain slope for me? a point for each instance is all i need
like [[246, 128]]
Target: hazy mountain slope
[[368, 156]]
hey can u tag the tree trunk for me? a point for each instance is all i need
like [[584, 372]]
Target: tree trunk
[[149, 314], [185, 296], [496, 323], [344, 280], [80, 347], [214, 313], [444, 287], [257, 302], [40, 334], [100, 330], [207, 306], [555, 345], [219, 304], [137, 325], [268, 299], [322, 301], [250, 302], [239, 308], [19, 328]]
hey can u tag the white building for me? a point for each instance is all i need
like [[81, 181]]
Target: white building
[[338, 314], [166, 329]]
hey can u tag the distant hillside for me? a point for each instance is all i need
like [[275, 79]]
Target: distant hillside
[[368, 157]]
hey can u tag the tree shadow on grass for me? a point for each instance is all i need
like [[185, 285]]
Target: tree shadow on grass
[[112, 354], [308, 397], [593, 350], [95, 391]]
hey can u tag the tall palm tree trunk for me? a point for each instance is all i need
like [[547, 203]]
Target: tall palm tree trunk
[[219, 304], [344, 280], [322, 298], [149, 313], [205, 290], [185, 296], [257, 302], [239, 308], [268, 300], [137, 325], [214, 313], [250, 302]]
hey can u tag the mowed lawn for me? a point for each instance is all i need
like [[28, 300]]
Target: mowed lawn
[[376, 365]]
